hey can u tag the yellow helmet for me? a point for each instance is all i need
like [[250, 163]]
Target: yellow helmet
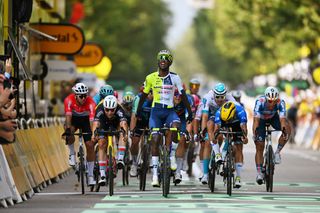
[[228, 111]]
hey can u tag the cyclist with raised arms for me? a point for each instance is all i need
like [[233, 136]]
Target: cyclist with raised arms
[[163, 83], [212, 101], [79, 110], [233, 115], [103, 92], [136, 125], [269, 108], [109, 115]]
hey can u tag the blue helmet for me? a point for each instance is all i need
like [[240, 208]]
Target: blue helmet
[[106, 90], [220, 89]]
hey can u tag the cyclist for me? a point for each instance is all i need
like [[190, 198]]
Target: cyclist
[[269, 108], [194, 86], [80, 109], [212, 101], [163, 83], [233, 115], [178, 150], [103, 92], [135, 125], [109, 115], [127, 102], [237, 96]]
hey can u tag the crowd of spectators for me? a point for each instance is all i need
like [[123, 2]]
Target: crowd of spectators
[[7, 104]]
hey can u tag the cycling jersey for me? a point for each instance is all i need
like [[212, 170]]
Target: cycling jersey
[[264, 110], [97, 98], [146, 107], [162, 88], [209, 104], [105, 122], [240, 116], [72, 108], [180, 108]]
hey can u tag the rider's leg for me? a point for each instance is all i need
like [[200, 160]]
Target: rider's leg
[[70, 142], [282, 141], [134, 149], [259, 155], [180, 153], [172, 139], [155, 140], [238, 158], [102, 156], [90, 160]]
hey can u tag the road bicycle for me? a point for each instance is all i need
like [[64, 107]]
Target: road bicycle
[[111, 156], [228, 166], [268, 159], [143, 159], [165, 170], [80, 166]]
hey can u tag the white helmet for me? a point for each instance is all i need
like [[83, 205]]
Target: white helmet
[[110, 102], [80, 89], [236, 94], [271, 93]]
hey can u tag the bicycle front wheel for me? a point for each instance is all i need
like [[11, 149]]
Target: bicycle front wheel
[[269, 169], [229, 174], [81, 168], [165, 173], [110, 172], [212, 175], [144, 167]]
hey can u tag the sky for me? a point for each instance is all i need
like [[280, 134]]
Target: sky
[[183, 15]]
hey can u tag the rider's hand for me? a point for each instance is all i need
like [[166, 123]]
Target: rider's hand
[[189, 118], [244, 139]]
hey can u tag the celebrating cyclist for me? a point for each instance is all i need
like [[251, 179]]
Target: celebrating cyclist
[[136, 126], [163, 83], [80, 109], [103, 92], [270, 109], [212, 101], [233, 115], [109, 116]]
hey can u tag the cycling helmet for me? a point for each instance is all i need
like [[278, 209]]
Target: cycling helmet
[[166, 55], [236, 94], [272, 94], [194, 81], [106, 90], [220, 89], [128, 97], [110, 102], [80, 89], [228, 111]]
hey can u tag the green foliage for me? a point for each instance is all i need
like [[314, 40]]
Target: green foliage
[[131, 33], [242, 38]]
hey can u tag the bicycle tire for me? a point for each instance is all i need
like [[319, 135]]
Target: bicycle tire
[[125, 170], [212, 175], [81, 169], [190, 158], [270, 169], [165, 173], [144, 168], [110, 172], [229, 173]]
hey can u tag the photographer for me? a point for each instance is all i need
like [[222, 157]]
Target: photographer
[[7, 105]]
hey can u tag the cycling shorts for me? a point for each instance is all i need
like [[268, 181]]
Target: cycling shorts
[[261, 130], [141, 124], [161, 116], [82, 123]]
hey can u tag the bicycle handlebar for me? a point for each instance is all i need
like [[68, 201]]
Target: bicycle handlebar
[[109, 132], [77, 133], [163, 129]]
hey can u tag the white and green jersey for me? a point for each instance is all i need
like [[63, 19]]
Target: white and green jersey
[[163, 88]]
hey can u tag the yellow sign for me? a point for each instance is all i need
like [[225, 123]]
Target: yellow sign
[[316, 75], [102, 70], [90, 55], [70, 39]]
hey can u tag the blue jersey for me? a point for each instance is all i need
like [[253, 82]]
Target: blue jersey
[[240, 115], [180, 108], [97, 98], [264, 110], [146, 107]]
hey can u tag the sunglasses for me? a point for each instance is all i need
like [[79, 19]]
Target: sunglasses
[[194, 86], [82, 96], [109, 110], [220, 97], [164, 58]]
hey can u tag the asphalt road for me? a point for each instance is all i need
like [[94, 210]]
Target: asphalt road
[[296, 189]]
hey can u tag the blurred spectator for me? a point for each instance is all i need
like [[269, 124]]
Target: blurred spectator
[[7, 105]]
